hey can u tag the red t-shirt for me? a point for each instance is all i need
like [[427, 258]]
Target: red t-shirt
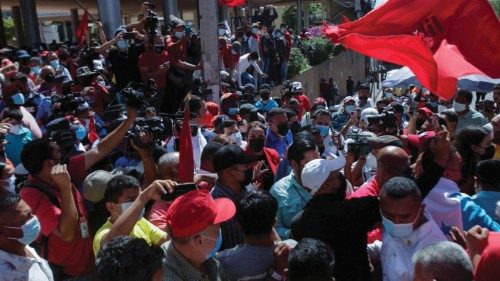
[[177, 52], [76, 258], [152, 62], [228, 58], [488, 268], [76, 169]]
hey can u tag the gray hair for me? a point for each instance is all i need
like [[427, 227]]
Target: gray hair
[[444, 261], [166, 162]]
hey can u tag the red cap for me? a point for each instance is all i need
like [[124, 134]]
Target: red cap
[[197, 210], [229, 95], [425, 111], [319, 100], [213, 108], [420, 139]]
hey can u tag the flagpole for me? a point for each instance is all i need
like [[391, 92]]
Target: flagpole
[[85, 9]]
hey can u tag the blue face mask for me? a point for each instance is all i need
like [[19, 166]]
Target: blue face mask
[[54, 64], [122, 44], [18, 99], [397, 230], [323, 130], [350, 108], [31, 230], [217, 245], [233, 111], [237, 138], [81, 132], [35, 69]]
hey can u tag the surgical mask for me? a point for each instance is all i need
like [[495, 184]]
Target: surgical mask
[[323, 130], [350, 108], [122, 44], [14, 129], [233, 111], [282, 129], [255, 31], [31, 230], [277, 34], [388, 95], [54, 63], [236, 137], [18, 99], [441, 108], [127, 205], [179, 34], [159, 49], [217, 245], [371, 161], [35, 69], [81, 132], [459, 107], [222, 32], [398, 230], [256, 145]]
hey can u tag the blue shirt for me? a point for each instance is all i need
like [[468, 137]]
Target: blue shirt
[[473, 214], [15, 144], [292, 198], [277, 142], [488, 201], [270, 104], [339, 119]]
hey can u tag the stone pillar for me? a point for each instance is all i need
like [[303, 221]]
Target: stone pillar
[[30, 20], [3, 38], [110, 15], [170, 8], [75, 21], [210, 46], [299, 16], [305, 12], [69, 31], [18, 24]]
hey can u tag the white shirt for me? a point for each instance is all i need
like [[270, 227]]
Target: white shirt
[[445, 210], [369, 103], [396, 254], [198, 143], [242, 66], [330, 148], [17, 268]]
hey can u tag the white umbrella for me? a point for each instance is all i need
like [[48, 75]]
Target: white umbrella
[[477, 83], [402, 77]]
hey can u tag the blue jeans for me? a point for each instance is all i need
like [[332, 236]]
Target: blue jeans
[[283, 70], [247, 78]]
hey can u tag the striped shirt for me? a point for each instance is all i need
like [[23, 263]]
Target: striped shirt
[[232, 235], [177, 268]]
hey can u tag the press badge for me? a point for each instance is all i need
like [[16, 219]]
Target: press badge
[[84, 228]]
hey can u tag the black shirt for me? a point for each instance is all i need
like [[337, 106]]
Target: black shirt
[[125, 65], [343, 225]]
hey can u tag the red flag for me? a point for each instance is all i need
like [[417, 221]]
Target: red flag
[[471, 26], [186, 165], [82, 28], [93, 135], [232, 3]]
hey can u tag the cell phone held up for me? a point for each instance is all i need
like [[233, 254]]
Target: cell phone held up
[[179, 190]]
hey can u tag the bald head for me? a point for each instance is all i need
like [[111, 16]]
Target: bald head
[[392, 162]]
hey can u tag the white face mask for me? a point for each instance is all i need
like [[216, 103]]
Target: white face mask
[[441, 108], [127, 205], [459, 107], [14, 129], [222, 32], [371, 161], [236, 137]]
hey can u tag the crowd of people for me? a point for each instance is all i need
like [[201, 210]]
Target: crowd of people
[[343, 187]]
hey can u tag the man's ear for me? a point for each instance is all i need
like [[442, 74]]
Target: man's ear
[[111, 207], [294, 165]]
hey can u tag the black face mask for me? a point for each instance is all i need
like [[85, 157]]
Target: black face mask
[[295, 127], [159, 49], [282, 129], [489, 152], [256, 145], [265, 96]]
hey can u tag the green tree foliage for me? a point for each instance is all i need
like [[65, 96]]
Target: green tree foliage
[[10, 31], [496, 6], [297, 63], [317, 13], [317, 50]]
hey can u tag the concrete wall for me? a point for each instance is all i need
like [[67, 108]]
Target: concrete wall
[[338, 67]]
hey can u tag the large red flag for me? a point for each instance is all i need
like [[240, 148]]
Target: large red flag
[[232, 3], [82, 28], [93, 135], [186, 165], [471, 26]]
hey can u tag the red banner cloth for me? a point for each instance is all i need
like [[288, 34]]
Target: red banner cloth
[[186, 165], [82, 28]]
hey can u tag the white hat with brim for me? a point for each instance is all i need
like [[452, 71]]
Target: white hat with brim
[[317, 171]]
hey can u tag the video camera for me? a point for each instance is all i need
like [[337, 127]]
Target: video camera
[[153, 125], [359, 146], [383, 122], [69, 102], [137, 94], [174, 122], [151, 22]]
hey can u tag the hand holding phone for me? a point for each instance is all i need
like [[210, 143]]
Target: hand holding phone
[[178, 191]]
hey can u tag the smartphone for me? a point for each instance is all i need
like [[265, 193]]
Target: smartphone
[[179, 190]]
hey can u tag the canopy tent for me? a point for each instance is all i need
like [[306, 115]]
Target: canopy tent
[[404, 77]]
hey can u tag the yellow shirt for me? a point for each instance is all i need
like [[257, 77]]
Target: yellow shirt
[[497, 152], [142, 229]]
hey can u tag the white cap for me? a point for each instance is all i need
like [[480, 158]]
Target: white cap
[[316, 172], [370, 111], [296, 86]]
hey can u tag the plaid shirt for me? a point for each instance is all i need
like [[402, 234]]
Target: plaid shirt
[[232, 235], [177, 268]]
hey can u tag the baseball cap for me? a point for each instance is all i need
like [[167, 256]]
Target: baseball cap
[[197, 210], [247, 108], [425, 111], [296, 87], [230, 155], [120, 29], [316, 172], [212, 107], [23, 54], [370, 111], [319, 100], [420, 139], [219, 119], [95, 183], [175, 21], [383, 141]]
